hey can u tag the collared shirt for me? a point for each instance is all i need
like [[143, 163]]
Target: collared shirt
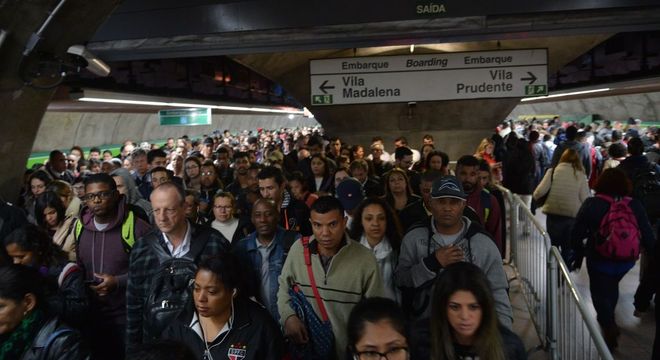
[[265, 251], [182, 249]]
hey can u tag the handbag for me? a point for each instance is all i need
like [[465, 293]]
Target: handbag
[[540, 201], [321, 343]]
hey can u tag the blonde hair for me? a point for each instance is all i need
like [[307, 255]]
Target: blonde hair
[[481, 149]]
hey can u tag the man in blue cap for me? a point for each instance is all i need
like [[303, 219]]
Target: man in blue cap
[[447, 238], [350, 194]]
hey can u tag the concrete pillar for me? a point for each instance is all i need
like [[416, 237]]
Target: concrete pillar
[[23, 106]]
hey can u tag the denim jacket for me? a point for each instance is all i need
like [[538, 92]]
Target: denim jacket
[[247, 251]]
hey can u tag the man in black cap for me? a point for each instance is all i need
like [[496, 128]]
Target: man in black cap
[[350, 194], [447, 238]]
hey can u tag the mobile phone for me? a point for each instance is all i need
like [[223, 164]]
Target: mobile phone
[[93, 282]]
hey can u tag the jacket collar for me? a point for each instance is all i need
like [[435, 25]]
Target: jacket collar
[[252, 238]]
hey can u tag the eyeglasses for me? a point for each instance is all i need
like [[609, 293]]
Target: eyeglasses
[[208, 173], [101, 195], [398, 353]]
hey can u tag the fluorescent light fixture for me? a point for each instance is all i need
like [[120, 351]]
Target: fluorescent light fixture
[[565, 94], [178, 104]]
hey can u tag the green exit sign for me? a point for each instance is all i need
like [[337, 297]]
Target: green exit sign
[[185, 117], [534, 90], [321, 99]]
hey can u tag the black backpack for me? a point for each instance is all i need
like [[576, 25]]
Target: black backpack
[[646, 188], [170, 291]]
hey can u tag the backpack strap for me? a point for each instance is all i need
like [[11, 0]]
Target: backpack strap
[[312, 282], [51, 339], [288, 240]]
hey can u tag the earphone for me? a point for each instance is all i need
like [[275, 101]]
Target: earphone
[[234, 293]]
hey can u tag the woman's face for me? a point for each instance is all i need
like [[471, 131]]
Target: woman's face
[[211, 297], [19, 255], [381, 337], [37, 186], [359, 153], [192, 169], [318, 167], [489, 149], [397, 183], [340, 176], [11, 314], [374, 222], [297, 189], [50, 217], [436, 163], [464, 314], [222, 209]]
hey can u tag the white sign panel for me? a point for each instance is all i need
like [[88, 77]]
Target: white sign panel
[[431, 77]]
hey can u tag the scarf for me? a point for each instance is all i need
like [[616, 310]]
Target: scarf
[[20, 340]]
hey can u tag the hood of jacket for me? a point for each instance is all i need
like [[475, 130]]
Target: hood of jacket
[[132, 193]]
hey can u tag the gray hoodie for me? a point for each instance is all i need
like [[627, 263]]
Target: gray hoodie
[[133, 195], [417, 266]]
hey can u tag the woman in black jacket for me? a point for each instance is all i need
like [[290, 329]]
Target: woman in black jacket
[[27, 330], [64, 288], [223, 322], [464, 323]]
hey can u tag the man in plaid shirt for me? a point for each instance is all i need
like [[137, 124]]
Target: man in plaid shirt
[[176, 235]]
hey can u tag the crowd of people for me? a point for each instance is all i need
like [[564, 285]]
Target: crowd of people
[[276, 244]]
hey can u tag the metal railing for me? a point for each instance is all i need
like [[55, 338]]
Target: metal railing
[[562, 320]]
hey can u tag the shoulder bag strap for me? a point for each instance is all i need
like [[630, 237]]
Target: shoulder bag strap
[[312, 282]]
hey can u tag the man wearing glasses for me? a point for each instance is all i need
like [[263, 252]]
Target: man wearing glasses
[[175, 237], [105, 235]]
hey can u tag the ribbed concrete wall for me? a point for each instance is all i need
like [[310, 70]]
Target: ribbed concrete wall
[[61, 130], [639, 106]]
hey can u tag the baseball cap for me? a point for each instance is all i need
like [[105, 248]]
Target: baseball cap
[[447, 186], [349, 192]]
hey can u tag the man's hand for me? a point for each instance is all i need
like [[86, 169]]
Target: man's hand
[[295, 330], [108, 284], [448, 255]]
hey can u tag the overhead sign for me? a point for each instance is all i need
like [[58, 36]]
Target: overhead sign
[[185, 117], [430, 77]]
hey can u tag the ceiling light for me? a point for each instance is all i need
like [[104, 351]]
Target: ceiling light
[[565, 94]]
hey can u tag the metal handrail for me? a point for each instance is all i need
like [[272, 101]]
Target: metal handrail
[[544, 310], [556, 261]]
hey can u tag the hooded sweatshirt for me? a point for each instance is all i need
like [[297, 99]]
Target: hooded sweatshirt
[[133, 195], [102, 251]]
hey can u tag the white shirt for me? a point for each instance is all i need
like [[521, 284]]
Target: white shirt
[[196, 326], [383, 251], [226, 229], [183, 249]]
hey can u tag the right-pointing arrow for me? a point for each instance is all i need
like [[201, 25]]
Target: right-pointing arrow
[[531, 78]]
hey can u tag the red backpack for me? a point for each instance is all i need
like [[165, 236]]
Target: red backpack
[[618, 236]]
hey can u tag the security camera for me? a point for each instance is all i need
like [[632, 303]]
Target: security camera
[[94, 65]]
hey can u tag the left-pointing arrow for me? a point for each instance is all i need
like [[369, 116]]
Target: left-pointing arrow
[[323, 87]]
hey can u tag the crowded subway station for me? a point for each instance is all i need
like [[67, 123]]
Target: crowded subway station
[[396, 179]]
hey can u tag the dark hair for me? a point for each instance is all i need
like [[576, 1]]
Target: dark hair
[[170, 174], [52, 155], [30, 237], [402, 139], [300, 177], [152, 154], [226, 267], [388, 194], [326, 204], [402, 151], [162, 350], [483, 165], [240, 154], [271, 172], [46, 200], [94, 149], [467, 160], [467, 277], [108, 151], [41, 175], [393, 229], [430, 175], [613, 182], [20, 280], [443, 156], [82, 152], [373, 310], [571, 132], [101, 178], [139, 152], [534, 135], [635, 146], [616, 150]]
